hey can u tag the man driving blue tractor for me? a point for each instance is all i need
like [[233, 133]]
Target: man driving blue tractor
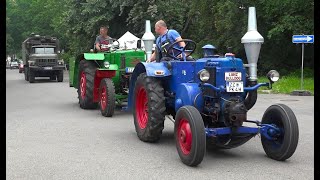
[[166, 38]]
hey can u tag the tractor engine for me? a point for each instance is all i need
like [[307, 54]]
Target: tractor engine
[[224, 108], [235, 112]]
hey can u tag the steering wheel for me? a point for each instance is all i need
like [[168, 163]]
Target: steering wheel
[[113, 40], [183, 51], [110, 45]]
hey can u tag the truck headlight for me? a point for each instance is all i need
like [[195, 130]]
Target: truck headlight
[[106, 64], [273, 75], [204, 75]]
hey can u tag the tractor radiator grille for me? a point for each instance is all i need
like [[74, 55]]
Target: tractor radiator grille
[[46, 62], [212, 80]]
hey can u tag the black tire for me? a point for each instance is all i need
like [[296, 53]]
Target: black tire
[[60, 76], [31, 76], [20, 71], [107, 97], [89, 69], [283, 117], [149, 108], [188, 118], [53, 77], [26, 75]]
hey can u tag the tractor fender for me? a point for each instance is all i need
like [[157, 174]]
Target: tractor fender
[[158, 70], [189, 94]]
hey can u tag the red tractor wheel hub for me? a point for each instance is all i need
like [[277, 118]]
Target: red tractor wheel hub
[[184, 135], [142, 108]]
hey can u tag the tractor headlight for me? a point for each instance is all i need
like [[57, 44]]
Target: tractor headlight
[[273, 75], [204, 75], [106, 64]]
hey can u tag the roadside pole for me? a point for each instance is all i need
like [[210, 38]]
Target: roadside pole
[[302, 39]]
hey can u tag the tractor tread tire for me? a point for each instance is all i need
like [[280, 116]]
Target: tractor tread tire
[[89, 69], [156, 108]]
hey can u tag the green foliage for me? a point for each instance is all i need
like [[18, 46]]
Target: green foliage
[[220, 23], [287, 84]]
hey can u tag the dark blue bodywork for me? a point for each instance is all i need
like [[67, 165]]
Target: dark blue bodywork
[[182, 87]]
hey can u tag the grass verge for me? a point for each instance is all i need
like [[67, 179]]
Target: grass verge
[[287, 84]]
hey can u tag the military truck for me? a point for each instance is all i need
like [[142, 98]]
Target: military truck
[[40, 58]]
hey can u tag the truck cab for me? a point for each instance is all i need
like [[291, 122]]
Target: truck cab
[[40, 57]]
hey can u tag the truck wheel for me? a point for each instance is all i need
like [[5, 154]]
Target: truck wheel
[[85, 90], [285, 144], [26, 75], [107, 97], [31, 76], [60, 76], [190, 135], [148, 108]]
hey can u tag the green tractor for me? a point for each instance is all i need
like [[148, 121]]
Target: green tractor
[[102, 78]]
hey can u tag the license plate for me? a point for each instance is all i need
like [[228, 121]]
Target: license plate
[[47, 68], [232, 76], [234, 86], [129, 69]]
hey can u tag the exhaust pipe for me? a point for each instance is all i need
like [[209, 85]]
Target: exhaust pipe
[[252, 41], [148, 39]]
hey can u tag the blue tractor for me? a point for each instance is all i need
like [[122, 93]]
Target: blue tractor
[[209, 99]]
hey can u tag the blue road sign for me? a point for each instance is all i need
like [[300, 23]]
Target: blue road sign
[[303, 39]]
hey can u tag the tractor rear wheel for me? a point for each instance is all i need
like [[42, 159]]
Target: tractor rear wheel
[[107, 97], [190, 135], [86, 85], [60, 76], [285, 143], [148, 108]]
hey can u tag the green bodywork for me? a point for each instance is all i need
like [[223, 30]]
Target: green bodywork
[[118, 60]]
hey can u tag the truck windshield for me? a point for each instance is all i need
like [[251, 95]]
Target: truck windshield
[[44, 50]]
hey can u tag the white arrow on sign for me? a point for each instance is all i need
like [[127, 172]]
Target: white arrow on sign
[[309, 38]]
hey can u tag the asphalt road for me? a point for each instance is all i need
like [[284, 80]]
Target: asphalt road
[[50, 137]]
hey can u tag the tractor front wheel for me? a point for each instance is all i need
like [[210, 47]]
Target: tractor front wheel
[[148, 108], [107, 97], [284, 144], [86, 85], [190, 135]]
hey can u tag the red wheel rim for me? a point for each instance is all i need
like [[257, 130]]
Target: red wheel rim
[[83, 82], [184, 135], [103, 99], [142, 107]]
